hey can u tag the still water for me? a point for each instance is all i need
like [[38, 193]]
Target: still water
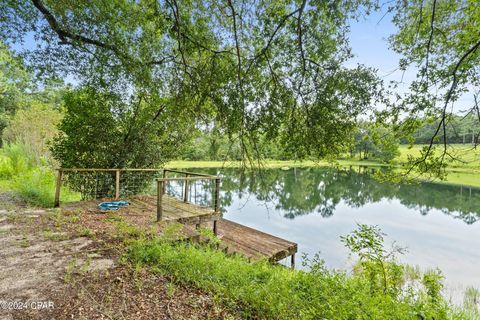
[[437, 223]]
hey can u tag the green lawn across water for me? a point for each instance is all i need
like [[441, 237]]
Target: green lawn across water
[[465, 171]]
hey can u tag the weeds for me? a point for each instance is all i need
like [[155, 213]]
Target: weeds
[[125, 230], [64, 217], [25, 242], [55, 236], [31, 178], [85, 232], [72, 265], [171, 289], [472, 302], [262, 290]]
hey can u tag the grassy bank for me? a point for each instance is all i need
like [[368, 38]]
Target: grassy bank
[[31, 179], [467, 156], [270, 164], [378, 289], [464, 171]]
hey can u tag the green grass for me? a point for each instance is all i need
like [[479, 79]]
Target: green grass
[[264, 291], [270, 164], [34, 182], [465, 171], [468, 157], [182, 164]]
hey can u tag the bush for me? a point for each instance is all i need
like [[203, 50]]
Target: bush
[[33, 128], [36, 187], [13, 161], [262, 290], [34, 183]]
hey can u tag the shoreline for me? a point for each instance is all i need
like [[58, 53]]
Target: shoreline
[[456, 176]]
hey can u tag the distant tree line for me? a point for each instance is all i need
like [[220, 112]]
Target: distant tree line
[[296, 192], [459, 129], [368, 141]]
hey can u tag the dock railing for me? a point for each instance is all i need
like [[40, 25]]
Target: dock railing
[[186, 180], [97, 183], [105, 183]]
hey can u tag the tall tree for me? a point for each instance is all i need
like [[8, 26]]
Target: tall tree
[[258, 68], [441, 40]]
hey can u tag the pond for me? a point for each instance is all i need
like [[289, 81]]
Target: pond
[[437, 223]]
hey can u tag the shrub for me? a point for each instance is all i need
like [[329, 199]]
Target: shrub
[[14, 161], [34, 183], [262, 290], [33, 128], [37, 187]]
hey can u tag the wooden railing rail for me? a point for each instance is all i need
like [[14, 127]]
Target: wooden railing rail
[[187, 174], [110, 169], [117, 171], [161, 182], [197, 174]]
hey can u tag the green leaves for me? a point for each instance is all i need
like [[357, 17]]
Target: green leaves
[[101, 130], [440, 39], [367, 242], [14, 82], [255, 69], [262, 290]]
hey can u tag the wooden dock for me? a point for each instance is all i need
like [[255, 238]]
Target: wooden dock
[[174, 210], [254, 244], [144, 210]]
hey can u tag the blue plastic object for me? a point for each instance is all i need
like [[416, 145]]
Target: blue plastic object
[[113, 205]]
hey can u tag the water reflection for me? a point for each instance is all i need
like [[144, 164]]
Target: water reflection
[[299, 192]]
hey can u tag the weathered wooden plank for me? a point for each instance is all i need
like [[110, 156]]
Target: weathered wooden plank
[[252, 243], [256, 238]]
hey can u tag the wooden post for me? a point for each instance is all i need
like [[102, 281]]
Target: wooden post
[[216, 202], [164, 184], [117, 184], [292, 261], [159, 199], [185, 193], [57, 190]]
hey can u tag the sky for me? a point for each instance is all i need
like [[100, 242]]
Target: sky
[[368, 40], [369, 43]]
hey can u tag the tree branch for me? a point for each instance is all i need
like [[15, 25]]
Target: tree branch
[[65, 35]]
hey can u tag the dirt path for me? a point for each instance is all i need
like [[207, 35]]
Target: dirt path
[[31, 265], [49, 271]]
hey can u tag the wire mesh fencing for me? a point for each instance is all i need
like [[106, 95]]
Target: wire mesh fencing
[[180, 195], [108, 183], [197, 189], [183, 193]]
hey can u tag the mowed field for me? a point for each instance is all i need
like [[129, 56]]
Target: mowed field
[[466, 154], [465, 170]]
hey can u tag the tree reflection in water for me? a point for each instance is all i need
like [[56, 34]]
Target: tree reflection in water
[[302, 191]]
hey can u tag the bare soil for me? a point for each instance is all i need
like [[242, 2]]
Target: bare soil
[[69, 261]]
